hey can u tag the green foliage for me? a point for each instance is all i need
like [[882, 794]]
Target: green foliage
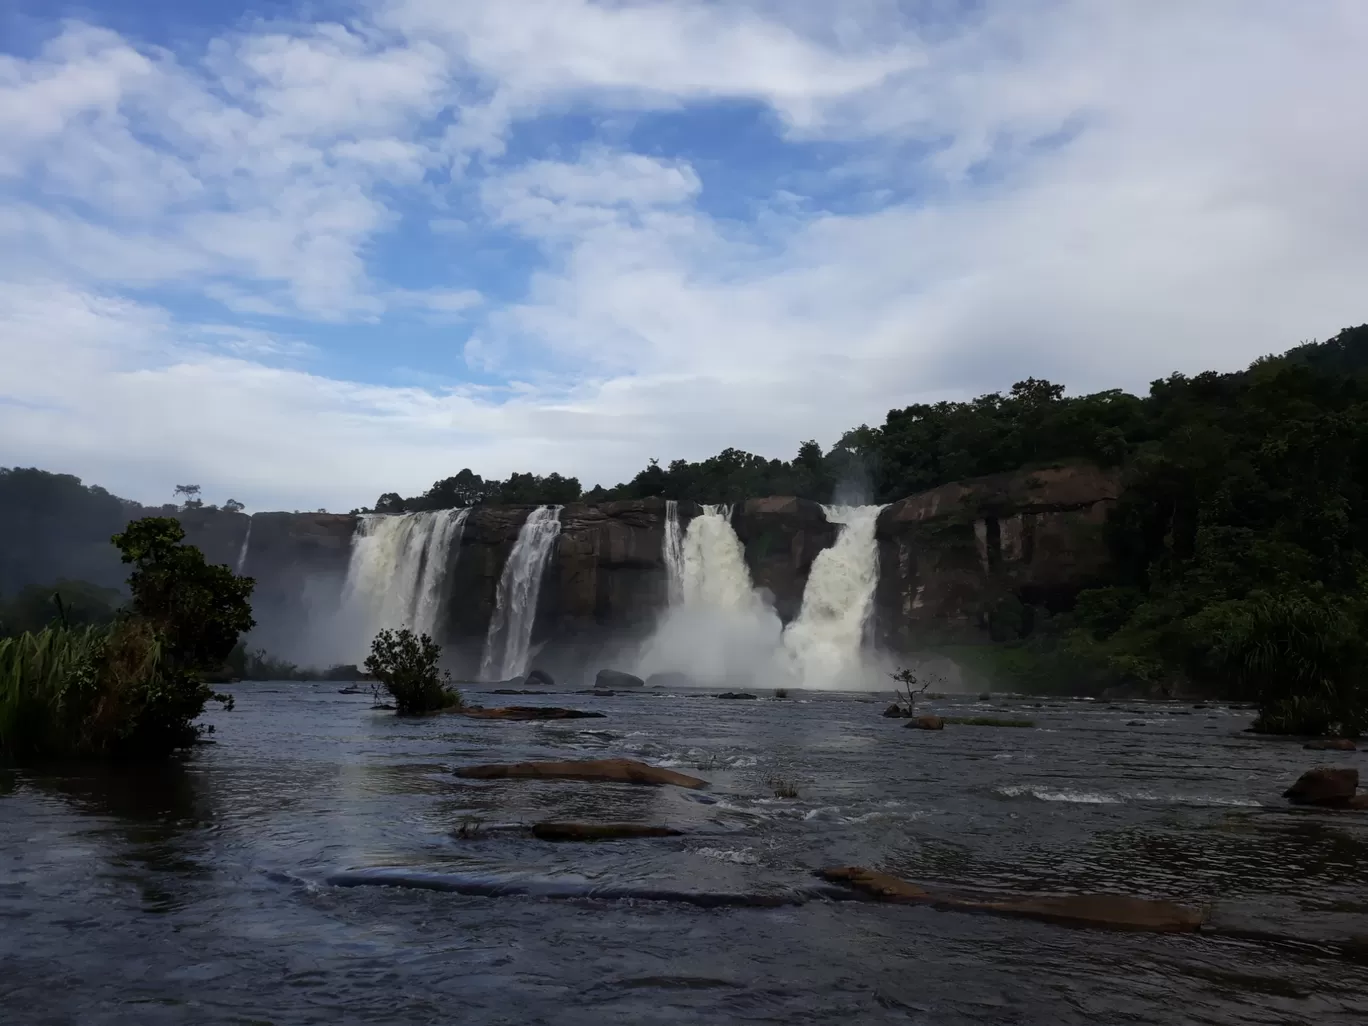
[[406, 663], [469, 489], [258, 664]]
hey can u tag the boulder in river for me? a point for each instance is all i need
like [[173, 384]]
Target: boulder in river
[[1329, 786], [926, 723], [1331, 744], [1108, 911], [598, 831], [894, 711], [541, 677], [735, 694], [624, 771], [611, 680], [530, 712]]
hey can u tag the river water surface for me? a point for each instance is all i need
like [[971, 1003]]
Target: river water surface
[[209, 893]]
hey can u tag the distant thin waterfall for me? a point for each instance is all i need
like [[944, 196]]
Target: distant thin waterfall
[[397, 573], [242, 552], [674, 552], [515, 604], [825, 643]]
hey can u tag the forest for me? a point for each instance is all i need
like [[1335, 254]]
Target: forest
[[1238, 553]]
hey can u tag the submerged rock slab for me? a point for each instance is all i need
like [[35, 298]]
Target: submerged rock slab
[[1331, 744], [530, 712], [1103, 911], [624, 771], [599, 831], [1325, 785], [735, 694], [926, 723]]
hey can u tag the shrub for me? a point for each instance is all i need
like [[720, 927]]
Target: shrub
[[406, 663]]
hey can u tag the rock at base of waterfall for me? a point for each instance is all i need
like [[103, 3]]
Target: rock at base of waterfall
[[529, 712], [926, 723], [599, 831], [1329, 786], [611, 680], [735, 694], [670, 679], [1332, 744], [894, 711], [623, 771], [541, 677]]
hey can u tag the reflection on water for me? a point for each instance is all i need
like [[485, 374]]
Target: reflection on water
[[209, 892]]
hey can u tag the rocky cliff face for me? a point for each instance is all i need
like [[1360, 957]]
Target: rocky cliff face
[[949, 557]]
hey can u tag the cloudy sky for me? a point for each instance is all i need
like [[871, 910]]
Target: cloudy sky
[[303, 253]]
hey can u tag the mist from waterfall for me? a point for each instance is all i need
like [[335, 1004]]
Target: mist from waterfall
[[396, 576], [242, 552], [717, 629], [515, 605], [825, 645]]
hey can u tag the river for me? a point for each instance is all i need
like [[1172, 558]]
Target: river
[[200, 894]]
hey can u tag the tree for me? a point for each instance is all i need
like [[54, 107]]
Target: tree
[[233, 506], [192, 496], [407, 665], [198, 608]]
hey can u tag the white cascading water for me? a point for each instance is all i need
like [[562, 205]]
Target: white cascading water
[[515, 604], [242, 552], [717, 629], [397, 573], [824, 646], [674, 553]]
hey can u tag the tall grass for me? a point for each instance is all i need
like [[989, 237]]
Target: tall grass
[[92, 692]]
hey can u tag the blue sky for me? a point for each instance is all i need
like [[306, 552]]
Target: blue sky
[[305, 253]]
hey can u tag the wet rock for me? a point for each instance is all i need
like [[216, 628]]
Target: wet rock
[[1331, 744], [1135, 723], [1325, 785], [670, 679], [926, 723], [530, 712], [871, 881], [894, 711], [596, 693], [514, 691], [599, 831], [625, 771], [1107, 911], [735, 694], [541, 677], [611, 680], [351, 691], [985, 697]]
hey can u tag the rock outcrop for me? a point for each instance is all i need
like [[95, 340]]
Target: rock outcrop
[[951, 559], [613, 680], [599, 831], [528, 712], [782, 536]]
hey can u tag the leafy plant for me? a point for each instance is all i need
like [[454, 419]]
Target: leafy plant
[[782, 787], [406, 663]]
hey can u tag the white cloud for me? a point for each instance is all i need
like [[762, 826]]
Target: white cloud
[[1097, 193]]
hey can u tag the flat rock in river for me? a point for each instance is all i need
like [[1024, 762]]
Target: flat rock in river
[[625, 771], [598, 831], [530, 712], [1108, 911]]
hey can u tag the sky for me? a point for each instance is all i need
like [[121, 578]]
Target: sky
[[302, 253]]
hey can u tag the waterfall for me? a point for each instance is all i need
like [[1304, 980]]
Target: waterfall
[[242, 552], [674, 553], [515, 604], [824, 645], [717, 629], [397, 573]]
